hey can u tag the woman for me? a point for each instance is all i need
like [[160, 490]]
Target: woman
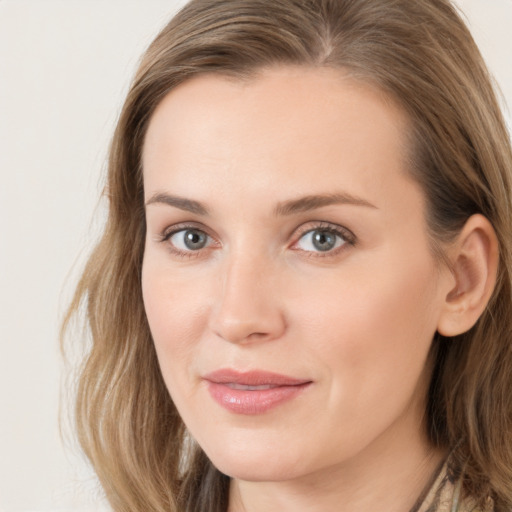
[[302, 297]]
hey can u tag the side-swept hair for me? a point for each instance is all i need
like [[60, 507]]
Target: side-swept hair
[[421, 55]]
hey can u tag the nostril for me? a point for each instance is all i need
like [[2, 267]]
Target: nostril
[[256, 336]]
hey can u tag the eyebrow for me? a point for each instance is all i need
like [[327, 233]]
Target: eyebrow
[[188, 205], [300, 205], [312, 202]]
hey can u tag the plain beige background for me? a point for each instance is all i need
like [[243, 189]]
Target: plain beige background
[[65, 66]]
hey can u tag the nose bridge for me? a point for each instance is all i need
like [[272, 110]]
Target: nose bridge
[[247, 307]]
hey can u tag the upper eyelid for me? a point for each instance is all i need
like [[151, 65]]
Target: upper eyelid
[[184, 226], [326, 226]]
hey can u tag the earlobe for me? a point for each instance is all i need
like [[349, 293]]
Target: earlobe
[[474, 257]]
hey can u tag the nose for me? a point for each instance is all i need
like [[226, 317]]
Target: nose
[[248, 304]]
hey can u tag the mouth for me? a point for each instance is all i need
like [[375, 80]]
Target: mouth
[[254, 392], [246, 387]]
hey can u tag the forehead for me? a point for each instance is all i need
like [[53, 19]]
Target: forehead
[[306, 128]]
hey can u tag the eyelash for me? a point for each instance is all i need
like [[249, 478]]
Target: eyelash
[[348, 238], [168, 233]]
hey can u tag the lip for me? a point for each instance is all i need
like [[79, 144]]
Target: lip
[[253, 392]]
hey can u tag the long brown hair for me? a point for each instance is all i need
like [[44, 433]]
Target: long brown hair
[[419, 53]]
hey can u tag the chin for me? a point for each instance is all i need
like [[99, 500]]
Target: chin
[[256, 471], [256, 463]]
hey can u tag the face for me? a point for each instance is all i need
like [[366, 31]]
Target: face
[[287, 277]]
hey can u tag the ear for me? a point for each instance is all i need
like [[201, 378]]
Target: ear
[[474, 260]]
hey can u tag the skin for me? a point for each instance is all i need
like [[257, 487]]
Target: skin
[[357, 321]]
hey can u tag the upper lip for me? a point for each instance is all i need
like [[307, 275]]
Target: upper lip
[[252, 378]]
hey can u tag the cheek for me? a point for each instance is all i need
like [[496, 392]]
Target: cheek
[[372, 338], [175, 309], [373, 327]]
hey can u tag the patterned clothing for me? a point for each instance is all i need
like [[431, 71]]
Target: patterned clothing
[[445, 496]]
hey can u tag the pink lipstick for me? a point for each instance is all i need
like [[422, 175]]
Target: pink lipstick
[[253, 392]]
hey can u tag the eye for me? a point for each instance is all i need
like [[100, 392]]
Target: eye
[[321, 240], [186, 240]]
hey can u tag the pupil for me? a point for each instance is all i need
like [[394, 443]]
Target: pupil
[[195, 239], [323, 240]]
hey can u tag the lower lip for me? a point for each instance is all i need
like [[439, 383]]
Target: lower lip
[[242, 401]]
